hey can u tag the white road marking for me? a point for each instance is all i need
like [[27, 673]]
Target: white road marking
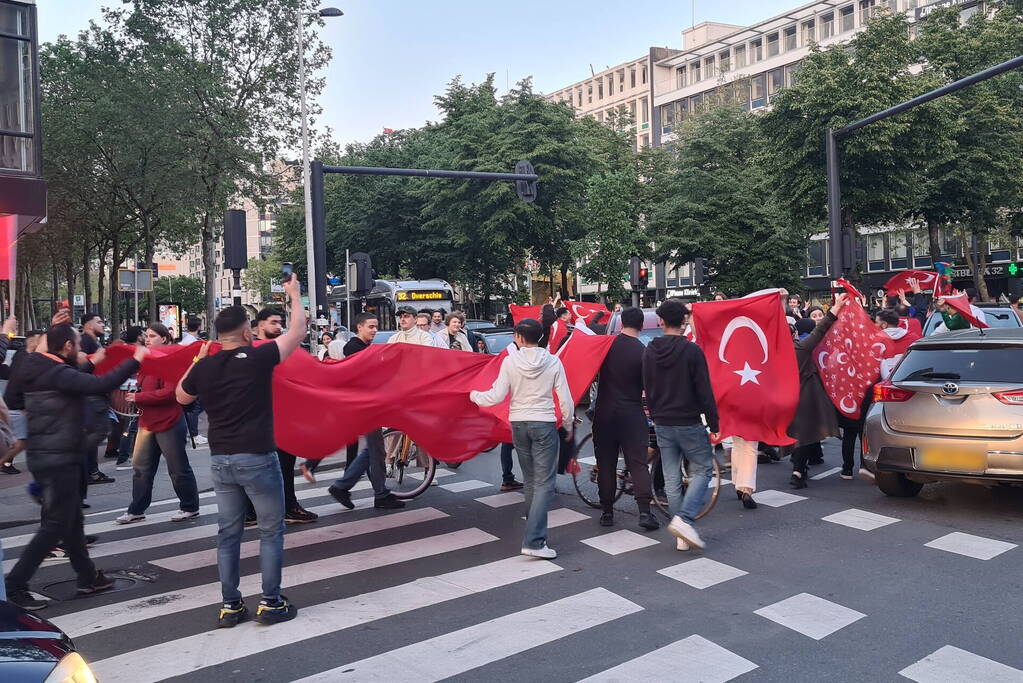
[[690, 659], [214, 647], [954, 664], [618, 542], [827, 473], [702, 573], [776, 499], [470, 648], [972, 546], [860, 519], [298, 539], [502, 499], [468, 485], [562, 516], [133, 611], [810, 615], [437, 474], [590, 460]]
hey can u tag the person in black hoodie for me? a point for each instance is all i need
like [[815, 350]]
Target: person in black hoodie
[[679, 396], [55, 391]]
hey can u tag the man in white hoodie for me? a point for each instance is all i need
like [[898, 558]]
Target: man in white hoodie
[[533, 376]]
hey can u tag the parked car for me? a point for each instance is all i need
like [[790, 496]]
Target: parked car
[[995, 315], [952, 410], [32, 650], [650, 327], [495, 339], [475, 325]]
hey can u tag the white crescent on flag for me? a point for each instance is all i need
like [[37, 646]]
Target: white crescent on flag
[[735, 324]]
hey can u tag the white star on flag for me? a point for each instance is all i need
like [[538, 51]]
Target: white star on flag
[[748, 374]]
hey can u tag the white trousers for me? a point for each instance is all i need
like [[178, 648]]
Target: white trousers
[[744, 463]]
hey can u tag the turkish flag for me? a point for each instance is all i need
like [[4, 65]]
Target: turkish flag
[[961, 304], [319, 407], [849, 358], [520, 313], [586, 311], [8, 245], [752, 364], [912, 326], [900, 281]]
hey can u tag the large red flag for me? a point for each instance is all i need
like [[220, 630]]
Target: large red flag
[[900, 281], [520, 313], [752, 364], [424, 391], [960, 303], [849, 358], [586, 311]]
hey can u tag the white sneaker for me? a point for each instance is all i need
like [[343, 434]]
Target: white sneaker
[[128, 518], [686, 532], [867, 474], [181, 515], [681, 545], [201, 440], [543, 552]]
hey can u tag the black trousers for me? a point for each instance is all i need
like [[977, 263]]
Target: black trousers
[[851, 430], [61, 523], [801, 455], [625, 433]]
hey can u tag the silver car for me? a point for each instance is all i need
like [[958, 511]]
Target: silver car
[[952, 410]]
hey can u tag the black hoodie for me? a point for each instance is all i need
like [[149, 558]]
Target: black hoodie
[[677, 383]]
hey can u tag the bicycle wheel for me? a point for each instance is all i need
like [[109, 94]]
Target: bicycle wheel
[[408, 469], [661, 500], [585, 480]]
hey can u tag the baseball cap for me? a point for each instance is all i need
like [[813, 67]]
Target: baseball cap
[[406, 309]]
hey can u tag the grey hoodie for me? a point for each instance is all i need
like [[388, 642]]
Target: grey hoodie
[[532, 375]]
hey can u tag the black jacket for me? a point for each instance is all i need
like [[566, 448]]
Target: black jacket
[[14, 395], [677, 383], [55, 403]]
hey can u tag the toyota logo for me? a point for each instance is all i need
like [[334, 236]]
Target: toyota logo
[[950, 388]]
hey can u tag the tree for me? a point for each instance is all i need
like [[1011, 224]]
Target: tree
[[717, 204], [260, 276], [613, 235], [186, 290]]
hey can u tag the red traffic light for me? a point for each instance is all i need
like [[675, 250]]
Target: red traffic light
[[643, 273]]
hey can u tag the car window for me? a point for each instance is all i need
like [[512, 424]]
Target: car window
[[979, 364], [496, 343], [995, 317], [647, 336]]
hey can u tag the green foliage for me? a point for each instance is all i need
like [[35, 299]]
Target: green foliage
[[182, 289], [613, 235], [260, 275]]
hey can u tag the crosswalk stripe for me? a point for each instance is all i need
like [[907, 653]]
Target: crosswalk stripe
[[132, 611], [298, 539], [469, 648], [468, 485], [189, 533], [159, 517], [827, 473], [501, 499], [690, 659], [211, 648]]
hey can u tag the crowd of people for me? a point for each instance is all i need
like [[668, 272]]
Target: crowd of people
[[657, 395]]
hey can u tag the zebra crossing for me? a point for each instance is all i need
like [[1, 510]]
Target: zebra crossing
[[438, 590]]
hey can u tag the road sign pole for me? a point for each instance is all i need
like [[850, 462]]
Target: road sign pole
[[348, 290], [136, 271]]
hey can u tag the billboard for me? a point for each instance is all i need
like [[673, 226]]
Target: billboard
[[170, 316]]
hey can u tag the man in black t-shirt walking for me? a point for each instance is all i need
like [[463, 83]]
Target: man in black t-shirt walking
[[371, 457], [619, 424], [235, 386]]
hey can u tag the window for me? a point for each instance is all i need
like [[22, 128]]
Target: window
[[775, 82], [667, 118], [866, 7], [644, 141], [580, 93], [632, 112], [600, 116], [694, 73], [695, 103], [949, 242], [589, 94], [846, 19], [999, 249], [756, 51], [724, 61], [644, 111], [827, 25], [644, 75], [740, 56], [17, 112], [708, 67], [792, 74], [921, 249], [600, 90], [893, 5], [790, 38], [809, 35], [773, 45], [632, 78], [817, 258], [758, 86], [875, 252], [610, 85], [621, 80], [680, 77], [898, 250]]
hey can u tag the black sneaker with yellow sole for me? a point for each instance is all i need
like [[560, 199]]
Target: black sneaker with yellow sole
[[231, 614], [275, 611]]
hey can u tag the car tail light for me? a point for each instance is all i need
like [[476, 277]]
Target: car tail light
[[1010, 398], [886, 392]]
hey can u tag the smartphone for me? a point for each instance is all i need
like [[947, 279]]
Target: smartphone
[[287, 269]]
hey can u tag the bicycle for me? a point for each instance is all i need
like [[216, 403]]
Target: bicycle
[[409, 470]]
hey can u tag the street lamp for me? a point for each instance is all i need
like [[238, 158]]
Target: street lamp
[[310, 257]]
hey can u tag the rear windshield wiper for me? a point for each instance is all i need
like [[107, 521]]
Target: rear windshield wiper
[[939, 375]]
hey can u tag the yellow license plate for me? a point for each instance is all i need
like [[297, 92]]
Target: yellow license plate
[[952, 460]]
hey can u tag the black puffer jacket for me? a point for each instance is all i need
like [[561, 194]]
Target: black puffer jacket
[[55, 403]]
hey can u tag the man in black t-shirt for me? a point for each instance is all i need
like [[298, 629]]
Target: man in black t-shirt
[[619, 424], [371, 457], [235, 386]]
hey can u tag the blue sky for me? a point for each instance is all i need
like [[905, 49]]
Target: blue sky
[[392, 56]]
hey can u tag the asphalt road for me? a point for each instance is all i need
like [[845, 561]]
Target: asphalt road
[[835, 582]]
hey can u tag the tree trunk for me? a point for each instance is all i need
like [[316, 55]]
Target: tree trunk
[[86, 280], [209, 273], [934, 240], [115, 309], [54, 287], [564, 281], [101, 283], [72, 277], [151, 295], [982, 290]]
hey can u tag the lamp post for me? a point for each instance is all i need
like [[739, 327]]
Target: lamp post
[[309, 244]]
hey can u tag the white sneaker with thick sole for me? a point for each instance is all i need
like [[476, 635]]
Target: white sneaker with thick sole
[[543, 552], [686, 532], [201, 440], [867, 474], [128, 518], [181, 516], [681, 545]]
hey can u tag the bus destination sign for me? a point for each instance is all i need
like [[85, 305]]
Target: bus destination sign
[[422, 295]]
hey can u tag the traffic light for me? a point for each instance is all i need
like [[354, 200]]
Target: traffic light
[[699, 271], [634, 265], [644, 278], [364, 280]]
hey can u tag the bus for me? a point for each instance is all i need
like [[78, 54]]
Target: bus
[[387, 295]]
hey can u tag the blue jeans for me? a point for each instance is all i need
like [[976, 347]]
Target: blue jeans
[[257, 476], [692, 443], [506, 463], [127, 445], [149, 446], [370, 459], [537, 445]]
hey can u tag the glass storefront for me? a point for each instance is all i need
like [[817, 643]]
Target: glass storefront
[[19, 148]]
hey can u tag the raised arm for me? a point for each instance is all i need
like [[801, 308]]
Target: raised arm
[[297, 323], [564, 393], [180, 393], [496, 393]]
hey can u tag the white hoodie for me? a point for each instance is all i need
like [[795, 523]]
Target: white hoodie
[[888, 364], [532, 375]]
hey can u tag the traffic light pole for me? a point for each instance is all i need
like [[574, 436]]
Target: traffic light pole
[[832, 152]]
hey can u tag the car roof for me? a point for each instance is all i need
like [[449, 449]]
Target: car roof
[[995, 336], [494, 330]]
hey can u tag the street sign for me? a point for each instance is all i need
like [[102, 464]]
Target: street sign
[[126, 280], [79, 300], [145, 280]]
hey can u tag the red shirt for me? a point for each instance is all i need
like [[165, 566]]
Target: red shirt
[[159, 410]]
